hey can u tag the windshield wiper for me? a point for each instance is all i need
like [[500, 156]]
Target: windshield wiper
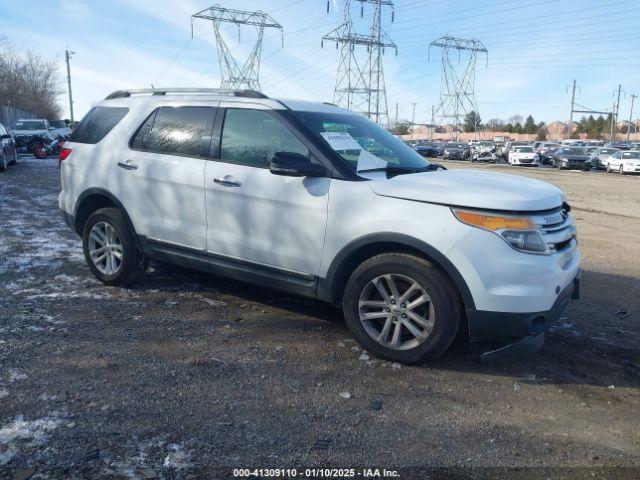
[[389, 168]]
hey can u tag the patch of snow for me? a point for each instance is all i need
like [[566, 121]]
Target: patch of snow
[[34, 430], [16, 375], [210, 301], [177, 458], [4, 392], [7, 455]]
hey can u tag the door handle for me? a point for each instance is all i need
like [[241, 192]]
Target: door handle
[[227, 182], [128, 165]]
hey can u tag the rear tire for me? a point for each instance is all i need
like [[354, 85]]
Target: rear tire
[[432, 311], [110, 249]]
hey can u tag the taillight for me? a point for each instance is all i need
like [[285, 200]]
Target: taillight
[[64, 153]]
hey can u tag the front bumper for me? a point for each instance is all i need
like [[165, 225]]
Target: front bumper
[[525, 332]]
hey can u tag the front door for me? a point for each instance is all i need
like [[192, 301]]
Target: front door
[[255, 216]]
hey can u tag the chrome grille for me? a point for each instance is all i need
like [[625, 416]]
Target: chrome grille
[[557, 228]]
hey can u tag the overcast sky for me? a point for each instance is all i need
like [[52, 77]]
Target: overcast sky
[[536, 49]]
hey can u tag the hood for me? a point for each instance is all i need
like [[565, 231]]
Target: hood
[[575, 157], [470, 188], [31, 132]]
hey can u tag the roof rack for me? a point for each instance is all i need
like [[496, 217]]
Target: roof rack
[[192, 91]]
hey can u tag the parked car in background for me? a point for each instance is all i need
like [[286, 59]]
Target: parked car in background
[[509, 145], [570, 157], [426, 149], [524, 155], [31, 132], [600, 157], [412, 255], [485, 146], [624, 162], [8, 154], [545, 150], [439, 146], [60, 128], [619, 145], [456, 151]]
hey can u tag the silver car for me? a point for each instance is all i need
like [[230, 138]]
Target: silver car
[[600, 157]]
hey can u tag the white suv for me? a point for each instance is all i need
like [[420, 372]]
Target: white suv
[[319, 201]]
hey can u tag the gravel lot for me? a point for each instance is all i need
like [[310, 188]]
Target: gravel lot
[[186, 376]]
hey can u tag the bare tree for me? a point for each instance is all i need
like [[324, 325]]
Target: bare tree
[[515, 119], [29, 81]]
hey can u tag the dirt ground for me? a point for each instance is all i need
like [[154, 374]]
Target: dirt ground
[[186, 376]]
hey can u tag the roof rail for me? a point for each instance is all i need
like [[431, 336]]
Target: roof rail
[[193, 91]]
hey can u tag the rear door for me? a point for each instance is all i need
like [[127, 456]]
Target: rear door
[[159, 177], [253, 215]]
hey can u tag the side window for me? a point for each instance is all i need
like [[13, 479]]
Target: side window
[[2, 130], [184, 131], [249, 137], [97, 124], [140, 139]]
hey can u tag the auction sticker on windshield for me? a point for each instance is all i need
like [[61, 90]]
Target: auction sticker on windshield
[[341, 141]]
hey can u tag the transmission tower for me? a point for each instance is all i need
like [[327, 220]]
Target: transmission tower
[[237, 75], [360, 81], [457, 95]]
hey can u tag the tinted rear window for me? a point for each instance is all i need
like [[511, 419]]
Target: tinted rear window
[[97, 123], [184, 131]]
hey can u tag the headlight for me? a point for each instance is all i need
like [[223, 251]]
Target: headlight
[[521, 233]]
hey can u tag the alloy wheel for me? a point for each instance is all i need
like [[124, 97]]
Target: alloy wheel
[[105, 248], [396, 311]]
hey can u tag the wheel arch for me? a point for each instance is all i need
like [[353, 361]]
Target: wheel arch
[[353, 254], [94, 199]]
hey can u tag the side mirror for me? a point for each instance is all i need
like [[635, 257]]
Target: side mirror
[[6, 136], [294, 165]]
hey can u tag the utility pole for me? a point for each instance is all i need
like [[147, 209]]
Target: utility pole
[[617, 110], [413, 117], [573, 99], [236, 74], [360, 81], [633, 98], [613, 112], [67, 57], [457, 84], [396, 124]]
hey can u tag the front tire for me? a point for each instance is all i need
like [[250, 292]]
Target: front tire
[[402, 308], [3, 163], [110, 249]]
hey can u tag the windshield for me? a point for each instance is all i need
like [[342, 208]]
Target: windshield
[[573, 151], [456, 145], [608, 150], [360, 142], [58, 123], [486, 144], [630, 154], [524, 149], [29, 125]]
